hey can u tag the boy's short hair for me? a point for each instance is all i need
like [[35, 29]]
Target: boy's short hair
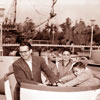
[[79, 65]]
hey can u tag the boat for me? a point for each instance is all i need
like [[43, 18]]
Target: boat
[[38, 92]]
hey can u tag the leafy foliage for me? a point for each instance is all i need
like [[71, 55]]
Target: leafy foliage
[[79, 33]]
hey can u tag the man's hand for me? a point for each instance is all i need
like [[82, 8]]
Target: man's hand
[[61, 85], [42, 84]]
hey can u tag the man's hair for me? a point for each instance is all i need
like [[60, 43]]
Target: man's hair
[[79, 65], [25, 43]]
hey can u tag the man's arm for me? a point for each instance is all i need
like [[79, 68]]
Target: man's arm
[[51, 76]]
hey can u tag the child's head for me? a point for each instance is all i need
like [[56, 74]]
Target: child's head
[[78, 67]]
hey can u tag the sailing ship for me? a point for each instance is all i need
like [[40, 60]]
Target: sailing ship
[[10, 26]]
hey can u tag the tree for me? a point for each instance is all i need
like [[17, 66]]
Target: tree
[[67, 30], [29, 28], [79, 32]]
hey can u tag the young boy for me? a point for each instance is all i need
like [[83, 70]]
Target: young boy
[[82, 77]]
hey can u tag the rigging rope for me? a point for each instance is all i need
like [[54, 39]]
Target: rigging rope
[[38, 13], [52, 14]]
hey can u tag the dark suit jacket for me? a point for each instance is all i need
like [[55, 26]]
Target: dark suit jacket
[[24, 74]]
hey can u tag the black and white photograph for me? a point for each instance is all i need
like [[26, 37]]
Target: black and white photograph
[[49, 50]]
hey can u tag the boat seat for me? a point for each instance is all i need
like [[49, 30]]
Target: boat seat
[[10, 84], [5, 63]]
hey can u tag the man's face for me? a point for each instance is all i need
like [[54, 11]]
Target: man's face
[[25, 52]]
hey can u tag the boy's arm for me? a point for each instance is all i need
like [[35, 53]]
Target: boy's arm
[[67, 78], [78, 80], [96, 74]]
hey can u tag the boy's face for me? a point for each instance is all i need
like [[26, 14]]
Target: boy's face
[[77, 71]]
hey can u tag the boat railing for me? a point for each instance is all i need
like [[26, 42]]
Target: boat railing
[[84, 48]]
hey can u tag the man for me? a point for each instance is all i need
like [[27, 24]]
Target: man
[[27, 68]]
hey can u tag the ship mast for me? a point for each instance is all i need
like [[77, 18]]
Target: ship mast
[[15, 8]]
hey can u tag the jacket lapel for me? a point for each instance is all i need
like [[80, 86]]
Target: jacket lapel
[[33, 66], [26, 68]]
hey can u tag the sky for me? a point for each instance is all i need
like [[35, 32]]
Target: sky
[[39, 10]]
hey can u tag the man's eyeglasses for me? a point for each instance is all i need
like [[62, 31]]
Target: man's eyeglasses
[[23, 51]]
